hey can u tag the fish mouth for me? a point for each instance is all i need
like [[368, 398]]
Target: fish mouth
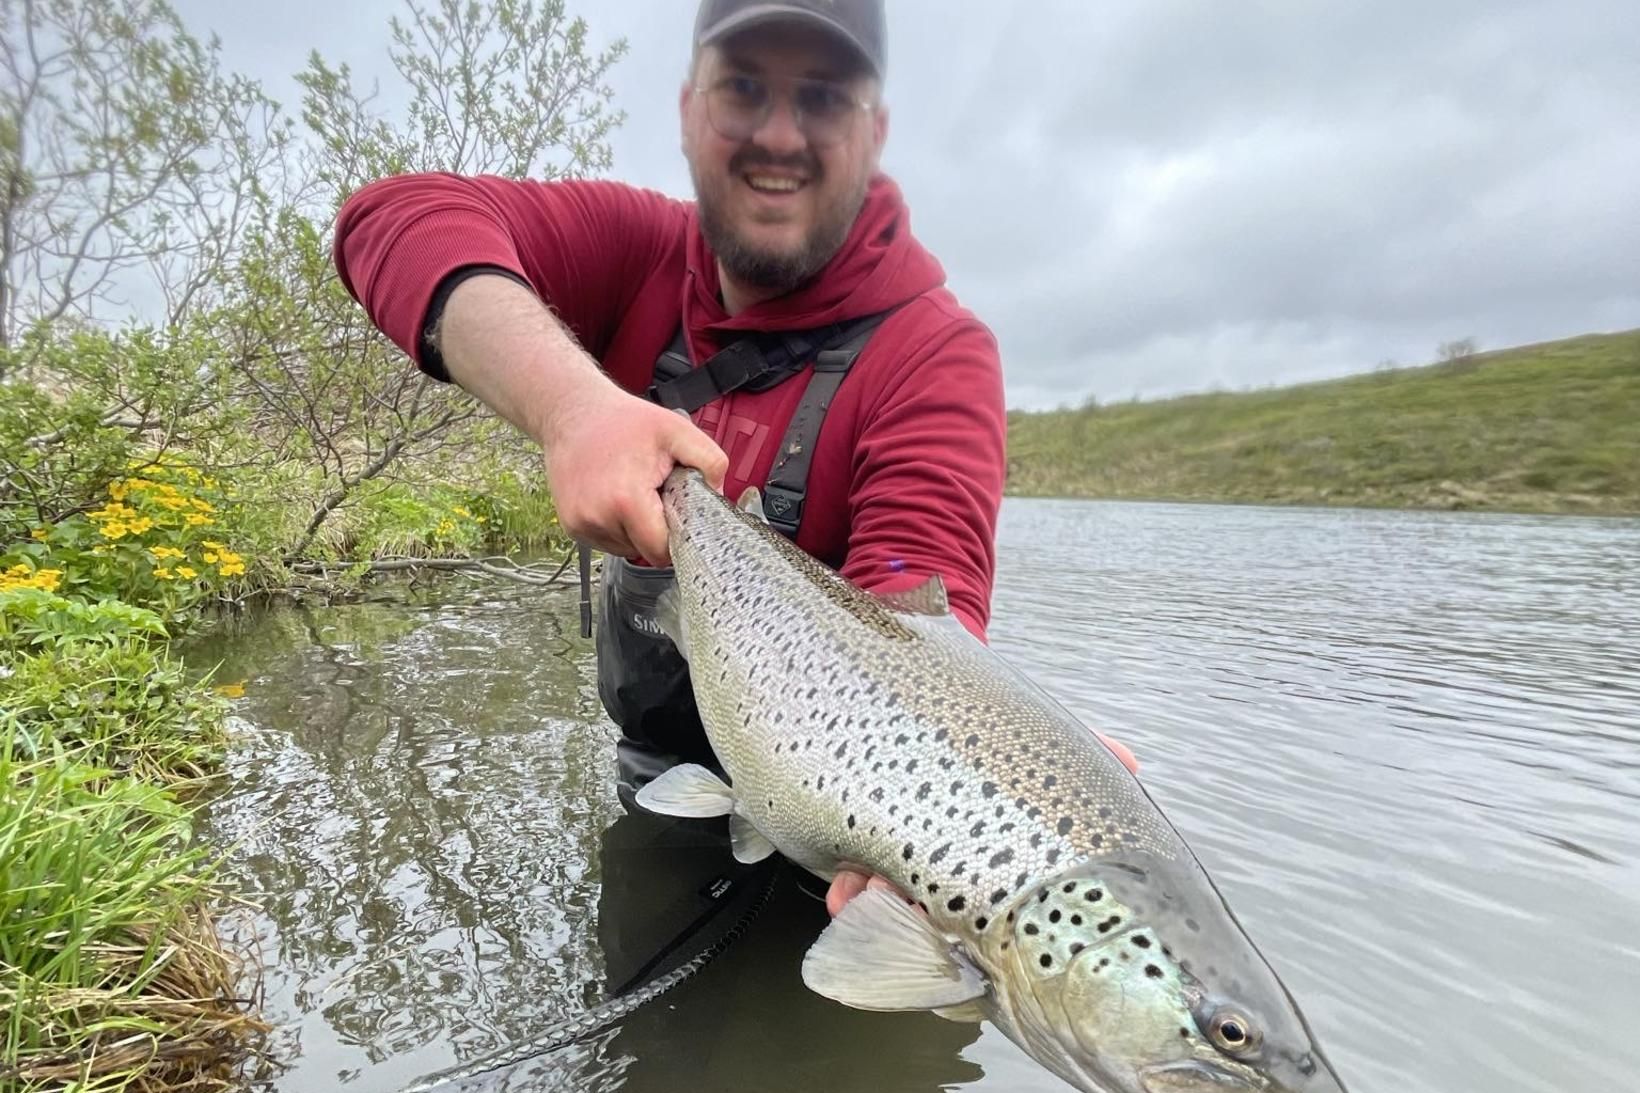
[[1192, 1077]]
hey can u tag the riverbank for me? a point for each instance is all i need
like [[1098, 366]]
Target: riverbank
[[1540, 428], [112, 971]]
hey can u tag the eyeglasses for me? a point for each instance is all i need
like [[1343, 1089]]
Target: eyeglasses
[[738, 106]]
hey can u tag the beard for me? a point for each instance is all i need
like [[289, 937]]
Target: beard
[[773, 270]]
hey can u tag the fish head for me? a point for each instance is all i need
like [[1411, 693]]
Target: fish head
[[1123, 977]]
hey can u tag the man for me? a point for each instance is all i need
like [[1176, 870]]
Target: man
[[561, 304]]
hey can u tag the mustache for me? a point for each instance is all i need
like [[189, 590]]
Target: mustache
[[752, 156]]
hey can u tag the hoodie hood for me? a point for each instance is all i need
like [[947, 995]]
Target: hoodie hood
[[879, 266]]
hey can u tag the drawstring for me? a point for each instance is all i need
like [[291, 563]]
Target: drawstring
[[586, 589]]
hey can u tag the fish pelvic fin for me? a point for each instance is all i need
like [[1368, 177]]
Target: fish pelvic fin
[[880, 954], [688, 789], [749, 844], [927, 598]]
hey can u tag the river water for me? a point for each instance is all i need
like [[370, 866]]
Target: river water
[[1406, 745]]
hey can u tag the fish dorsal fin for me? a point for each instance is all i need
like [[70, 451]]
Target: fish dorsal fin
[[879, 954], [688, 789], [751, 503], [927, 598], [749, 844]]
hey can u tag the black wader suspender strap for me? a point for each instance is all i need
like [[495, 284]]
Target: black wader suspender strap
[[789, 476], [746, 364]]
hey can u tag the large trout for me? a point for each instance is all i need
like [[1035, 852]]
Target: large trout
[[1051, 894]]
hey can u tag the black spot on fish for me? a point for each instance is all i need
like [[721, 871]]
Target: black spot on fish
[[1104, 812], [893, 809], [1141, 940], [1054, 916], [998, 896], [777, 748], [911, 767], [820, 782], [1010, 918], [923, 905], [1031, 928], [1153, 971], [973, 740], [941, 735], [951, 812], [1195, 927], [1032, 813], [906, 853], [1001, 858], [1094, 895], [1076, 920], [1069, 888], [923, 791], [1113, 920], [1005, 945], [981, 922], [977, 830], [851, 820], [1036, 839], [1019, 881], [1050, 781], [956, 787], [916, 878], [956, 903], [902, 739], [1053, 856], [939, 855], [893, 764], [1005, 828], [933, 889], [841, 749], [1042, 896], [1046, 961], [962, 867], [1065, 825], [1077, 947], [1097, 841]]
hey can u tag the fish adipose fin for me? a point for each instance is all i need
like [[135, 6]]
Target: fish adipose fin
[[688, 790], [751, 503], [927, 598], [749, 844], [880, 954]]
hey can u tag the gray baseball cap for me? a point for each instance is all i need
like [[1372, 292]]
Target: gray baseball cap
[[857, 22]]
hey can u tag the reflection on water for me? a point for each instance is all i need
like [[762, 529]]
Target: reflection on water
[[1407, 745]]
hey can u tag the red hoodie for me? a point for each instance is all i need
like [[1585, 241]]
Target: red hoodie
[[908, 469]]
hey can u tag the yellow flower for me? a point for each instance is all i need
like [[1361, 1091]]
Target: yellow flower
[[209, 544], [187, 572], [231, 690], [459, 511], [201, 504], [164, 573], [140, 525], [196, 520], [172, 503], [114, 529], [48, 579], [18, 571], [232, 569], [210, 557], [163, 552], [42, 534], [116, 490]]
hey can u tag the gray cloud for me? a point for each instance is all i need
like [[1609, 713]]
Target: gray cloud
[[1151, 196]]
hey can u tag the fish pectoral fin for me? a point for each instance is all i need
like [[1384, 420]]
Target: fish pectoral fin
[[751, 503], [669, 617], [880, 954], [688, 790], [927, 598], [749, 844], [968, 1011]]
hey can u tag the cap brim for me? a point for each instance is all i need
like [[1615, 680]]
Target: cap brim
[[760, 14]]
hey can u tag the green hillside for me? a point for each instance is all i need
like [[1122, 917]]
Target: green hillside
[[1543, 428]]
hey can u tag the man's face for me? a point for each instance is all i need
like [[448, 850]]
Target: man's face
[[782, 132]]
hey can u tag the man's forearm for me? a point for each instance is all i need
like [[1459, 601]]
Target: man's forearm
[[506, 348]]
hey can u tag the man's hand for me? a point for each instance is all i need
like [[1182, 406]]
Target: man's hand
[[607, 452], [848, 883]]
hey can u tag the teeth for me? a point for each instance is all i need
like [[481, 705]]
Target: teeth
[[776, 185]]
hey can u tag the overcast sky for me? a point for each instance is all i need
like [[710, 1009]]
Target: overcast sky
[[1144, 197]]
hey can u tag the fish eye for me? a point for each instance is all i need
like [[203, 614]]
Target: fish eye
[[1233, 1032]]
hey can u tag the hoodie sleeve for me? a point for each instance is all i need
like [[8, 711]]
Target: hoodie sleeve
[[584, 247], [928, 477]]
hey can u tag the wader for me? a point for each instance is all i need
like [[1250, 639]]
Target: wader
[[643, 680]]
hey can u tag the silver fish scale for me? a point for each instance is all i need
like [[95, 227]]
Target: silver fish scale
[[858, 735]]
